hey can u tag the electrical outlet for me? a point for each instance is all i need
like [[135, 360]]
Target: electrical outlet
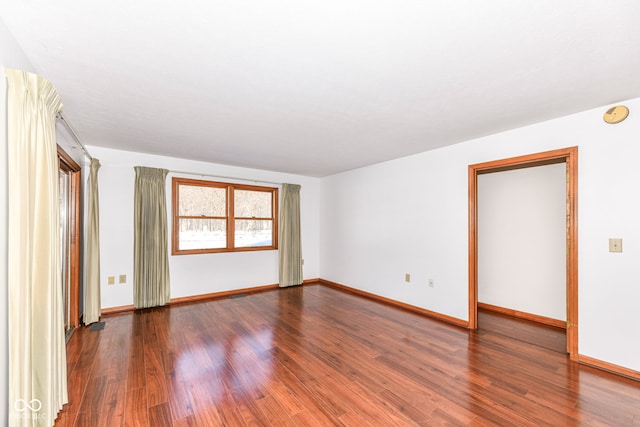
[[123, 278], [615, 245], [111, 280], [407, 277]]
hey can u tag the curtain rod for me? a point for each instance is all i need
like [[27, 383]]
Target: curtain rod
[[226, 177], [74, 135]]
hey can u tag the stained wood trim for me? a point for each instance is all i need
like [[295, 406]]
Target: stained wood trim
[[204, 297], [223, 294], [423, 311], [67, 164], [473, 249], [71, 164], [229, 217], [556, 323], [110, 311], [231, 221], [572, 254], [76, 251], [528, 160], [610, 367], [570, 157]]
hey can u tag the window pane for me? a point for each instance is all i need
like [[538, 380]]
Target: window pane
[[202, 234], [202, 201], [251, 233], [252, 204]]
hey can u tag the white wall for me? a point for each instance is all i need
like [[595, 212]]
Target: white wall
[[11, 56], [410, 216], [522, 240], [190, 274]]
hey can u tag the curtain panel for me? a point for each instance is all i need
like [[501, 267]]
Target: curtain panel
[[92, 257], [37, 354], [151, 249], [290, 241]]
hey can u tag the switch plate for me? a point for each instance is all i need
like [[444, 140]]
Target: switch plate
[[615, 245], [431, 283], [111, 280], [122, 278], [407, 277]]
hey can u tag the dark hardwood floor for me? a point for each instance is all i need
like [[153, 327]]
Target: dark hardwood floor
[[316, 356]]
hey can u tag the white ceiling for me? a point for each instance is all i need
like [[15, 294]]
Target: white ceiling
[[320, 87]]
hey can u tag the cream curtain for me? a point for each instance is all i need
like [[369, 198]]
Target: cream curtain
[[37, 354], [289, 239], [151, 250], [92, 260]]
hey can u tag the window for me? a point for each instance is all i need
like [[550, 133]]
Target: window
[[221, 217]]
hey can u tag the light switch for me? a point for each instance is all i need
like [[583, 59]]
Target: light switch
[[111, 280], [615, 245], [123, 278]]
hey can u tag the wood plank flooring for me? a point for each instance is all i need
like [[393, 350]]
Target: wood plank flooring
[[530, 332], [316, 356]]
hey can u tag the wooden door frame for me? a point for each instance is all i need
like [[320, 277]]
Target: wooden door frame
[[570, 157], [75, 210]]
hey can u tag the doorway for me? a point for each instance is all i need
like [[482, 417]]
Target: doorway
[[568, 156], [69, 179]]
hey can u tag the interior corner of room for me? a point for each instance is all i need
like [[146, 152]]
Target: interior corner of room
[[529, 212]]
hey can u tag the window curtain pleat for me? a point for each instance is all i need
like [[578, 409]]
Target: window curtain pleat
[[37, 354], [92, 262], [151, 249], [290, 242]]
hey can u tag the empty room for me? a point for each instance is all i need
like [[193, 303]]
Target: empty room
[[319, 213]]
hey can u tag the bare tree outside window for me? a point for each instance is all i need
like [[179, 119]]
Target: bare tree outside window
[[220, 217], [255, 226]]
